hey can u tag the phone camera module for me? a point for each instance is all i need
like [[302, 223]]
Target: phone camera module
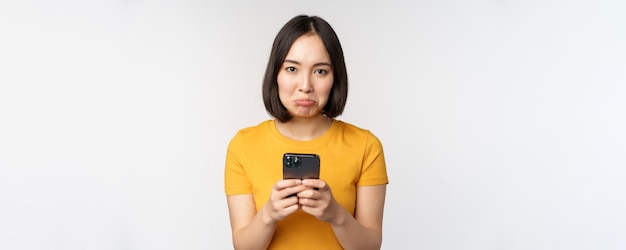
[[292, 161], [296, 162]]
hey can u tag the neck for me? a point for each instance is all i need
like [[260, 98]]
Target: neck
[[304, 129]]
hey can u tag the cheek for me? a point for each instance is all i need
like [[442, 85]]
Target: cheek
[[324, 93], [283, 88], [280, 80], [326, 87], [285, 83]]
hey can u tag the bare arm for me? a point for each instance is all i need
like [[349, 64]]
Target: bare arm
[[254, 230], [364, 230], [246, 222]]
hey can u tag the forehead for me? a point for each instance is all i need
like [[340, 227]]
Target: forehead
[[308, 48]]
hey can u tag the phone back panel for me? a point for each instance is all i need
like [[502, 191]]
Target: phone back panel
[[301, 166]]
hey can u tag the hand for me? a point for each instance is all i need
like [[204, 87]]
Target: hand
[[319, 203], [280, 204]]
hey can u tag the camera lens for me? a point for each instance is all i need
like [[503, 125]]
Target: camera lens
[[296, 162]]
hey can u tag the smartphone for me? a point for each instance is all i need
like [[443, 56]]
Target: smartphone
[[301, 166]]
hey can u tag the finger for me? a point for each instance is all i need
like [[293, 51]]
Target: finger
[[286, 192], [286, 211], [292, 208], [316, 183], [287, 202], [307, 202], [282, 184], [304, 194]]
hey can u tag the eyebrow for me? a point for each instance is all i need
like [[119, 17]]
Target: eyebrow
[[317, 64]]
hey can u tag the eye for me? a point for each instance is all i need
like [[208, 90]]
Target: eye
[[321, 71], [290, 69]]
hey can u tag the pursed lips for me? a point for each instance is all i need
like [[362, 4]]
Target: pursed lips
[[305, 102]]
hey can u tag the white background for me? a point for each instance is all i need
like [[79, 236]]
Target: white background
[[503, 122]]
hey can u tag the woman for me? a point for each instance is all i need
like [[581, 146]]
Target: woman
[[304, 89]]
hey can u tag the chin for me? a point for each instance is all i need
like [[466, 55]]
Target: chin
[[307, 115]]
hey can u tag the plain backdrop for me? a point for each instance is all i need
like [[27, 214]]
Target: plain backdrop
[[503, 122]]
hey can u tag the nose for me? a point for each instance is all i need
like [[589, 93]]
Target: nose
[[305, 84]]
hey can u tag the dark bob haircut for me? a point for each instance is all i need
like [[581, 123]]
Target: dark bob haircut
[[293, 29]]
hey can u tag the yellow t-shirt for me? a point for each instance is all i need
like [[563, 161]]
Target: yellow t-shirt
[[349, 157]]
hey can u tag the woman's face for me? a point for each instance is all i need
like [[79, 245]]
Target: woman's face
[[306, 77]]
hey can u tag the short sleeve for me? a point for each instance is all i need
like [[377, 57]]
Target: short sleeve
[[235, 177], [374, 169]]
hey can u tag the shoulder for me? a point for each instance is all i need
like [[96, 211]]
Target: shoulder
[[251, 132], [346, 127], [262, 127], [356, 132]]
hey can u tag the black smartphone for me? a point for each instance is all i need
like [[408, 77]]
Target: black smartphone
[[301, 166]]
